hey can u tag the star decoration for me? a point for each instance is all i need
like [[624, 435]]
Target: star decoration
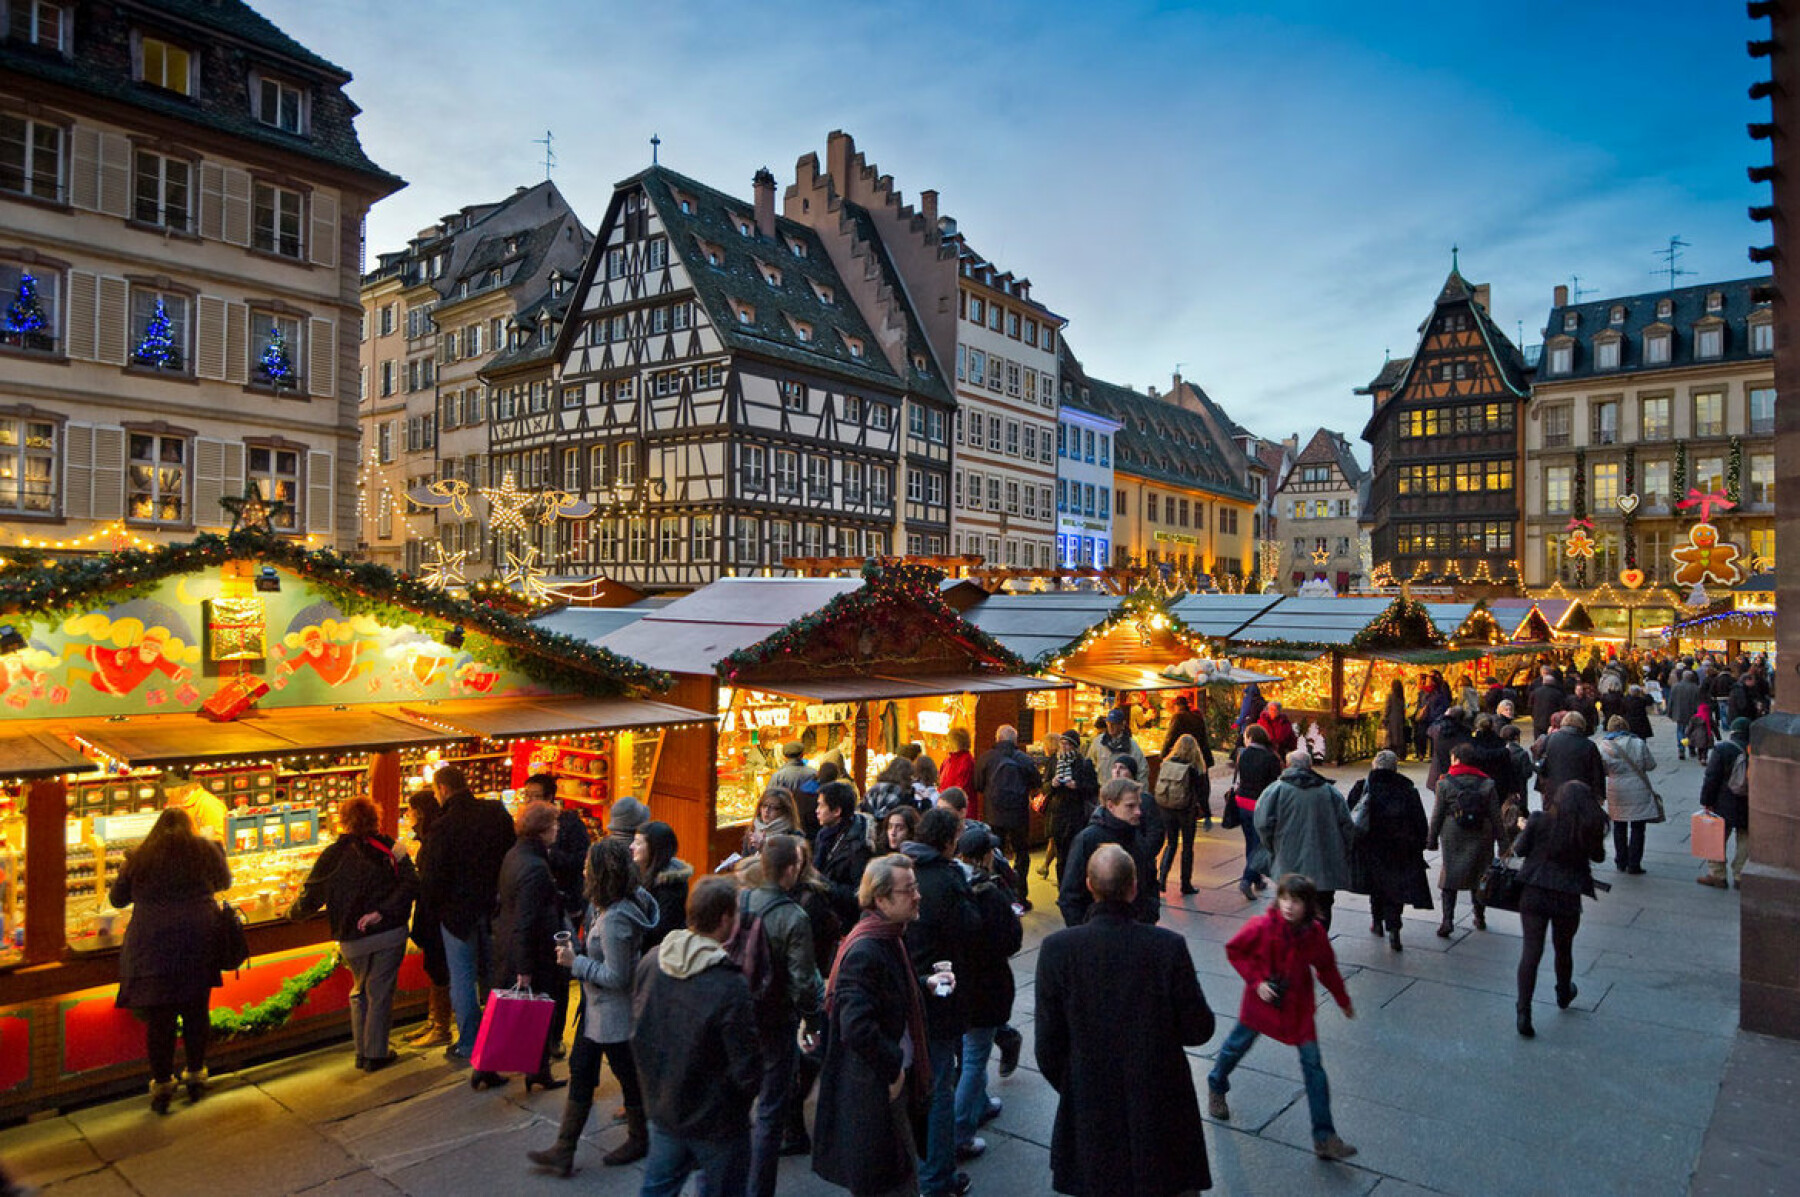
[[1320, 556], [522, 570], [442, 569], [252, 512], [506, 505]]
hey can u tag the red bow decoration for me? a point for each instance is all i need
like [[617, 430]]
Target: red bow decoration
[[1578, 523], [1706, 501]]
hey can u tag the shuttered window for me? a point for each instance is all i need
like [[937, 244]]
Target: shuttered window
[[157, 478], [276, 473], [276, 217]]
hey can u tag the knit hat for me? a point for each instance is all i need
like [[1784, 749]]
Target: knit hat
[[976, 841], [793, 748], [626, 816], [1740, 725], [1072, 738]]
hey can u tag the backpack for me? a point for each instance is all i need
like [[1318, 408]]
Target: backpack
[[1172, 785], [764, 969], [1468, 810], [1738, 780]]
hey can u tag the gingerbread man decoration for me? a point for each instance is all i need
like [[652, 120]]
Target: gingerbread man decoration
[[1705, 558]]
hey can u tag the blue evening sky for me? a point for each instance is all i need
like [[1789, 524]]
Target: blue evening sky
[[1266, 194]]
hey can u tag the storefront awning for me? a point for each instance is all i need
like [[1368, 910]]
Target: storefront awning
[[464, 718], [38, 754], [871, 688], [1125, 677], [154, 740]]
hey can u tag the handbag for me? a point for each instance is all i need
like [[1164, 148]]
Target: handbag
[[513, 1031], [231, 947], [1232, 817], [1662, 815], [1500, 887]]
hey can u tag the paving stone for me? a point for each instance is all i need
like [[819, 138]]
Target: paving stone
[[393, 1138], [362, 1183], [104, 1183], [121, 1129], [48, 1151], [331, 1088], [279, 1157], [1249, 1164]]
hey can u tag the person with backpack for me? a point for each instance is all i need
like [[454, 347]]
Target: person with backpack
[[1182, 791], [987, 980], [1466, 822], [1005, 779], [1725, 792]]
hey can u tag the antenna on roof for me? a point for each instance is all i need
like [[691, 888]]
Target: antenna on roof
[[549, 153], [655, 141], [1672, 256], [1576, 290]]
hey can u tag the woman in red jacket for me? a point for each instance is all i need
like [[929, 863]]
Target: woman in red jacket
[[1282, 737], [958, 768], [1278, 954]]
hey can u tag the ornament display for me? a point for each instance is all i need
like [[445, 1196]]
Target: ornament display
[[1579, 544], [1706, 558], [1707, 501], [442, 569], [157, 348], [509, 508], [1628, 504], [1631, 578], [507, 505], [522, 571], [251, 512], [277, 363]]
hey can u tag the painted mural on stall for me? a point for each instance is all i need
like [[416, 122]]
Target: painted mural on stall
[[170, 650]]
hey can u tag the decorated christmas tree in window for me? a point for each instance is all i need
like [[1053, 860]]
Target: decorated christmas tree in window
[[26, 324], [277, 362], [157, 348]]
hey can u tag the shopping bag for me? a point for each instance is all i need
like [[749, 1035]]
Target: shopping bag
[[1708, 836], [513, 1029]]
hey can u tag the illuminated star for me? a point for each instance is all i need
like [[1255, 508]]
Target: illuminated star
[[506, 505], [522, 570], [442, 569], [252, 512], [1320, 556]]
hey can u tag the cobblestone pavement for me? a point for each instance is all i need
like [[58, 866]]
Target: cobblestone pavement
[[1430, 1081]]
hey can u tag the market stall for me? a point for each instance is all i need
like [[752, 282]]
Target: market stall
[[858, 667], [257, 685], [1743, 621]]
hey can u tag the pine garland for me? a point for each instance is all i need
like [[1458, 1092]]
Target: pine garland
[[1579, 492], [1631, 516], [1405, 624], [1141, 603], [266, 1016], [1734, 472], [1680, 483]]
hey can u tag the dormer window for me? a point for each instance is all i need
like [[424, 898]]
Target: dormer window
[[1656, 348], [802, 331], [824, 294], [744, 227], [919, 363], [38, 23], [1762, 336], [1665, 309], [855, 346], [685, 202], [797, 248], [1709, 341], [280, 105], [1562, 358], [1571, 322], [744, 312], [165, 65], [770, 275], [1606, 354], [1616, 317], [1715, 301]]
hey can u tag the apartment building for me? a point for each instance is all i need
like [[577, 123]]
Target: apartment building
[[1320, 509], [1084, 487]]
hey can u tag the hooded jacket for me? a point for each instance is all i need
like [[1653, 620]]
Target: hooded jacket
[[695, 1039], [615, 941], [948, 920], [1306, 824]]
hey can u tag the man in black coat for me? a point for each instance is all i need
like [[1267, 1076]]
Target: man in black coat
[[1127, 1117], [1680, 701], [1005, 779], [1117, 820], [1570, 756], [1188, 722], [1547, 698], [986, 981], [459, 877], [1492, 758], [1731, 805], [947, 921], [694, 1039], [841, 849]]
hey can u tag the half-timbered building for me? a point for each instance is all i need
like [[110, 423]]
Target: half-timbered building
[[732, 406], [1318, 505], [1443, 496]]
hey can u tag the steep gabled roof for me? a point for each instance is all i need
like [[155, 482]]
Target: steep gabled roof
[[1515, 375], [930, 381], [1330, 448]]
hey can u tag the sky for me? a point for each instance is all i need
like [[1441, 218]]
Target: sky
[[1265, 196]]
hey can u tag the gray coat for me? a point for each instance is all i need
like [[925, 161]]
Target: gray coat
[[1682, 701], [1306, 824], [1467, 851], [614, 942], [1629, 796]]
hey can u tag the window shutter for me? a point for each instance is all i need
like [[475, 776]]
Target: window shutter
[[109, 473], [84, 171], [321, 357], [114, 322], [115, 174], [83, 292], [212, 201], [234, 467], [78, 471], [237, 342], [209, 355], [237, 206], [320, 483], [324, 229], [209, 482]]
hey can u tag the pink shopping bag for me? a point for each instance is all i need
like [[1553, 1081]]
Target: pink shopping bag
[[1708, 836], [513, 1028]]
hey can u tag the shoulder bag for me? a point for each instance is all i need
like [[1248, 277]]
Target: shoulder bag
[[1500, 887], [1232, 816], [231, 947], [1662, 815]]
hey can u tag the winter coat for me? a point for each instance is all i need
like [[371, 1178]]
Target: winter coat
[[1445, 736], [1560, 868], [355, 876], [1071, 806], [986, 971], [1629, 796], [609, 961], [1393, 720], [1589, 710], [799, 779], [529, 918], [1570, 756], [841, 855], [1306, 825], [1467, 851], [1257, 770], [1715, 792], [1188, 723], [1006, 778], [669, 890], [1390, 854], [957, 770], [1492, 759], [855, 1142], [169, 957], [1682, 701], [947, 924], [789, 933], [1104, 827], [1102, 753], [1270, 946], [1546, 699], [459, 863], [1523, 769], [1637, 715], [568, 861], [1282, 737], [694, 1039], [1127, 1115]]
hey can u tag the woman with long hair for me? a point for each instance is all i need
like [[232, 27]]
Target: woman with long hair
[[168, 967], [366, 887], [897, 829], [1181, 786], [1558, 846], [776, 814], [422, 811], [653, 852], [525, 927]]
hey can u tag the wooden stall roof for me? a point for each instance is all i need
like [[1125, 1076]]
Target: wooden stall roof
[[1219, 616], [548, 716], [28, 752], [594, 623], [1037, 625], [694, 633], [1125, 677], [155, 740], [872, 688], [1326, 622]]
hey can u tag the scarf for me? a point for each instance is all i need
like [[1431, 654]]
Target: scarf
[[1065, 768], [873, 926], [779, 825], [1461, 770], [1117, 743]]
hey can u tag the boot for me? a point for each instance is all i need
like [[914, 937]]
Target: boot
[[560, 1156], [435, 1031], [637, 1140], [1449, 919], [196, 1084], [161, 1094], [1480, 917], [1394, 939]]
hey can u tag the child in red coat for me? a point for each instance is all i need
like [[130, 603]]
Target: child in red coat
[[1278, 954]]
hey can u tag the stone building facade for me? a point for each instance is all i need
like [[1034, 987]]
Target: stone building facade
[[1319, 511]]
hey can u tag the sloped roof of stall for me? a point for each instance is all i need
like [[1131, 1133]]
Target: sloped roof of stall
[[1325, 622], [1217, 616], [694, 633], [593, 624], [1037, 625]]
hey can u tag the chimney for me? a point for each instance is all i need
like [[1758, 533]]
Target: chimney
[[1292, 442], [1481, 295], [764, 184], [840, 147], [1560, 297], [928, 207]]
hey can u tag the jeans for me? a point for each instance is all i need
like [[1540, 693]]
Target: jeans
[[1015, 841], [780, 1055], [1312, 1071], [373, 978], [1561, 914], [937, 1170], [971, 1090], [465, 957], [1252, 842], [1180, 823], [1628, 843], [159, 1036], [723, 1164]]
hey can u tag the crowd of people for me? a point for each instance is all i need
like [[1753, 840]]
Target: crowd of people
[[859, 943]]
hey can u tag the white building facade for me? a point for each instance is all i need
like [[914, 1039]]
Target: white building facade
[[1084, 487]]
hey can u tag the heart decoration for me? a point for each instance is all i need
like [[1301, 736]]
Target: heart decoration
[[1633, 578], [1628, 503]]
